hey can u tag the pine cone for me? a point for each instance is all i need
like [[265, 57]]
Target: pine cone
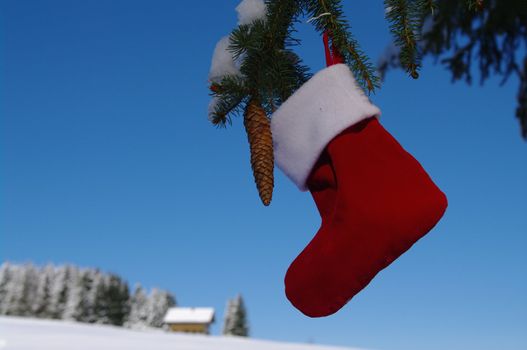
[[258, 130]]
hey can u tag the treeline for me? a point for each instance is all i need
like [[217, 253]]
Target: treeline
[[68, 292]]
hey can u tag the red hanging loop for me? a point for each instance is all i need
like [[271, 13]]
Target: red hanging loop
[[333, 56], [329, 59]]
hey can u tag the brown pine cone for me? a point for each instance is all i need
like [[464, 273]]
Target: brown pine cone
[[258, 130]]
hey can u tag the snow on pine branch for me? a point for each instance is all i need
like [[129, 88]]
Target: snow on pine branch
[[223, 62], [251, 10]]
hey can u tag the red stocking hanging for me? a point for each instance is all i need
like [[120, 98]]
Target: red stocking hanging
[[375, 200]]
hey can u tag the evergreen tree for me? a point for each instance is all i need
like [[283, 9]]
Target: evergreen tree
[[235, 322], [74, 310], [138, 316], [20, 290], [97, 299], [88, 301], [117, 296], [59, 291], [5, 279], [159, 301], [40, 305], [14, 291], [31, 282]]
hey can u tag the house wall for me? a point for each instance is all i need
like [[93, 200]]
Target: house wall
[[190, 328]]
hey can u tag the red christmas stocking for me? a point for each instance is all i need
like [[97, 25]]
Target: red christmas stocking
[[374, 198]]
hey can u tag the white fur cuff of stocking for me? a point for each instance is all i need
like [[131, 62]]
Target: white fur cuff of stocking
[[329, 103]]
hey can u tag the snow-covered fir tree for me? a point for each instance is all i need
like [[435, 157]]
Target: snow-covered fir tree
[[116, 294], [20, 290], [73, 310], [59, 291], [5, 279], [158, 303], [88, 302], [31, 287], [138, 316], [235, 322], [13, 289], [41, 302], [96, 298]]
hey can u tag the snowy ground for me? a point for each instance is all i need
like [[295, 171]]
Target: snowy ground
[[18, 333]]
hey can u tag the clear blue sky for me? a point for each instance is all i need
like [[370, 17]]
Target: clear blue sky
[[108, 160]]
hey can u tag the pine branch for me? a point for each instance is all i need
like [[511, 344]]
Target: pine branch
[[328, 16], [229, 94], [426, 7], [270, 71], [404, 18], [242, 40]]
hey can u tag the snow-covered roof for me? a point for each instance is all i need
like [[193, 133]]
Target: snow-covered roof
[[189, 315]]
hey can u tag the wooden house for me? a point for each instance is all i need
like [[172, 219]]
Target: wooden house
[[189, 319]]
